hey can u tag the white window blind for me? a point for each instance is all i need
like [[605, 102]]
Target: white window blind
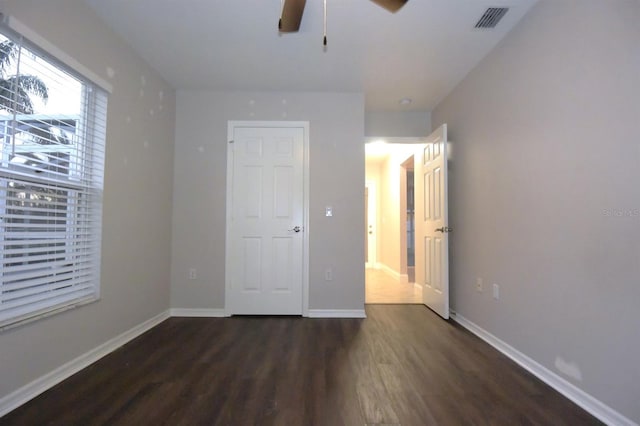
[[52, 135]]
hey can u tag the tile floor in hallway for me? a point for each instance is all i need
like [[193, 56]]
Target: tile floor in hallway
[[382, 287]]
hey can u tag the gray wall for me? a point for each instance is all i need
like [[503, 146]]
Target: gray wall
[[545, 193], [336, 179], [137, 197], [397, 123]]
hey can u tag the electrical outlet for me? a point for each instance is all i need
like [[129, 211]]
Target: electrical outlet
[[193, 274], [479, 284], [328, 274], [496, 291]]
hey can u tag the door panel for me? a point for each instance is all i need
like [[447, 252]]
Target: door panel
[[432, 257], [266, 252], [426, 261], [428, 202], [283, 192], [437, 194], [252, 194], [282, 252], [251, 279], [437, 265]]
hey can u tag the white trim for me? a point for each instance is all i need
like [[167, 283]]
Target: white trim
[[337, 313], [590, 404], [32, 316], [228, 215], [397, 139], [204, 313], [49, 380], [55, 51], [372, 218], [231, 125], [384, 268], [394, 274], [307, 222]]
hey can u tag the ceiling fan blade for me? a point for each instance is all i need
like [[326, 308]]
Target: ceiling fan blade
[[291, 16], [391, 5]]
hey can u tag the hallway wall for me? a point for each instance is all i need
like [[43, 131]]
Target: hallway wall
[[390, 219]]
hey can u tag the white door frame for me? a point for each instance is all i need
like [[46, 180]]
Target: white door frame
[[231, 126], [372, 217]]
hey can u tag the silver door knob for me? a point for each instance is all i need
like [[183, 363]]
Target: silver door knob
[[295, 229], [444, 229]]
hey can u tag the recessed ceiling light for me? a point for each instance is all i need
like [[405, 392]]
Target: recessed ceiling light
[[405, 101]]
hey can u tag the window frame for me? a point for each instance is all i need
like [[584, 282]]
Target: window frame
[[85, 179]]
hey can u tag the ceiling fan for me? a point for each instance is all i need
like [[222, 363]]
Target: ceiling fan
[[292, 12]]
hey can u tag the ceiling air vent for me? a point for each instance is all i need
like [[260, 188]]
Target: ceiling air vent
[[491, 17]]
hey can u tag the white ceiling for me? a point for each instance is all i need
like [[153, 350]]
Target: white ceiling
[[421, 52]]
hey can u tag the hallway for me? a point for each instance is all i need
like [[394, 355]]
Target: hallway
[[382, 287]]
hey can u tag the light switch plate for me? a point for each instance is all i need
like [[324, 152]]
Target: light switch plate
[[328, 211]]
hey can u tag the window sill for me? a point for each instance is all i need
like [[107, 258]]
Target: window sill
[[19, 322]]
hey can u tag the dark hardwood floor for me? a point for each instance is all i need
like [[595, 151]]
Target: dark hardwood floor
[[402, 365]]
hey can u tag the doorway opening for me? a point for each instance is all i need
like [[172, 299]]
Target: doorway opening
[[390, 222], [407, 209]]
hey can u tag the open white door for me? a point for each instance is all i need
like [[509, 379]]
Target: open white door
[[432, 239], [265, 220], [370, 225]]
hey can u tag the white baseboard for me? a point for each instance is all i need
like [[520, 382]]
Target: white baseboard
[[590, 404], [384, 268], [49, 380], [313, 313], [337, 313], [210, 313], [402, 278]]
